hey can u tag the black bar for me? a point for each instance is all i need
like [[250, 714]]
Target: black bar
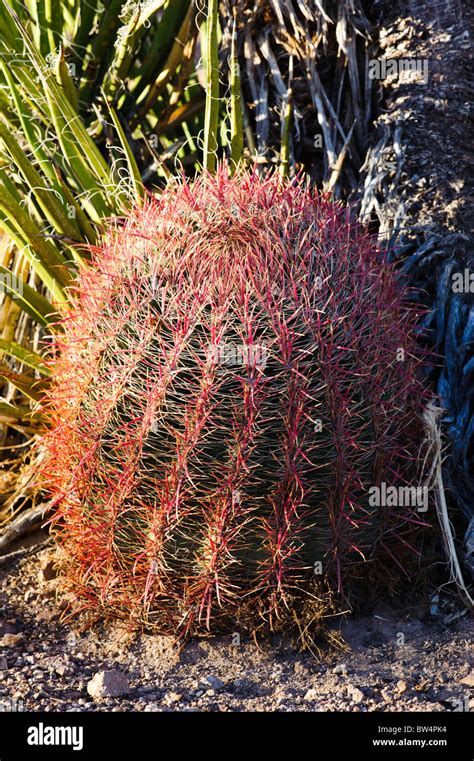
[[152, 736]]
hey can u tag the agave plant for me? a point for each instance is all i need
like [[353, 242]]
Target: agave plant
[[237, 370], [73, 78]]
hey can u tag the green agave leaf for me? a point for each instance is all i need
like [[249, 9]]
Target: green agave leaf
[[134, 173], [35, 135], [236, 117], [124, 50], [43, 256], [64, 79], [40, 32], [52, 208], [69, 23], [169, 68], [211, 118], [88, 10], [73, 139], [25, 356], [101, 46], [28, 299], [84, 225], [161, 42], [30, 387], [8, 26], [80, 151], [53, 21], [149, 10], [10, 413], [36, 139]]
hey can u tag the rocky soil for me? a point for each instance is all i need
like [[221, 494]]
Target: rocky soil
[[423, 174], [393, 661]]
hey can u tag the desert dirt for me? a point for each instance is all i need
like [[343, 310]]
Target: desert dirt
[[434, 188], [392, 660]]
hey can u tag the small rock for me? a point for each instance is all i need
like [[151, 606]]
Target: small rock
[[355, 693], [147, 688], [468, 680], [48, 593], [3, 664], [72, 694], [12, 640], [311, 695], [192, 653], [401, 686], [6, 627], [300, 668], [340, 669], [48, 570], [212, 683], [61, 666], [108, 684], [47, 616], [173, 697]]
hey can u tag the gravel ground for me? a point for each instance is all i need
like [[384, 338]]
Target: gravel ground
[[393, 662]]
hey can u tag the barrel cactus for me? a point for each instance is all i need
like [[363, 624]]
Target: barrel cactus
[[237, 371]]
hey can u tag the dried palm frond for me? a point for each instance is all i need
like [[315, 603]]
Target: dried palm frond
[[314, 53]]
